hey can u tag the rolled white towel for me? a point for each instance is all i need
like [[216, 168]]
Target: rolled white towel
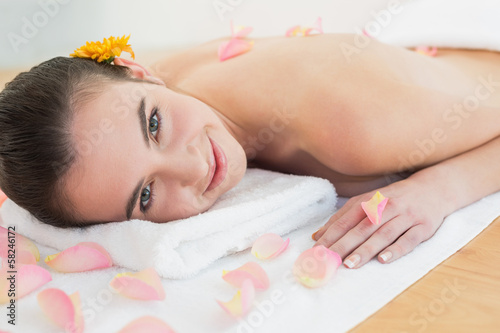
[[264, 201]]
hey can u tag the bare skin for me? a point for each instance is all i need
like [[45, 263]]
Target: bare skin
[[424, 131], [358, 123]]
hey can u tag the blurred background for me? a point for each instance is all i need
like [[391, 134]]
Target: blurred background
[[35, 30]]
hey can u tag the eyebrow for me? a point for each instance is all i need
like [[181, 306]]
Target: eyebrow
[[141, 112]]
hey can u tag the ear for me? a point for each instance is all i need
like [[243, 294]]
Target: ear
[[138, 71]]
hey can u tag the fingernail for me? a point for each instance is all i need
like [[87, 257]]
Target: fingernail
[[352, 261], [386, 256], [314, 235]]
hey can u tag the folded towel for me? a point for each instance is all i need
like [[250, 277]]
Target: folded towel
[[264, 201]]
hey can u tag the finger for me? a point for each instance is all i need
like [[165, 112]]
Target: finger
[[404, 244], [347, 216], [385, 235], [352, 239]]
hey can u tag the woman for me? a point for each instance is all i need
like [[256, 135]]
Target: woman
[[90, 143]]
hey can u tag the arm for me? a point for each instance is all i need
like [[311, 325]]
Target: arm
[[416, 207]]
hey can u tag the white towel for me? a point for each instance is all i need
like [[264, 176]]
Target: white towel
[[263, 201], [443, 23]]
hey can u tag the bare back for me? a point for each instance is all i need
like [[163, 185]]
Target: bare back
[[355, 120]]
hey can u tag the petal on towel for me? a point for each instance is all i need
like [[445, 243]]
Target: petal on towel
[[374, 207], [22, 246], [426, 50], [250, 270], [3, 197], [144, 285], [269, 246], [61, 309], [27, 279], [233, 48], [241, 302], [316, 266], [147, 324], [84, 256]]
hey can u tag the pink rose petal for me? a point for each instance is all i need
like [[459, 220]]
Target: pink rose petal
[[233, 48], [426, 50], [298, 30], [26, 251], [240, 31], [374, 207], [316, 266], [144, 285], [82, 257], [27, 279], [239, 305], [3, 197], [147, 324], [250, 270], [61, 309], [269, 246]]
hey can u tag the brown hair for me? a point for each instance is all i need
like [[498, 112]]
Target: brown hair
[[36, 151]]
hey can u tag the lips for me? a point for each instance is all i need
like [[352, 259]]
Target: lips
[[218, 166]]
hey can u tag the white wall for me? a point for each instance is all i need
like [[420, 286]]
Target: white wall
[[35, 30]]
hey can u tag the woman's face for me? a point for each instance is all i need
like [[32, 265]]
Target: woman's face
[[147, 152]]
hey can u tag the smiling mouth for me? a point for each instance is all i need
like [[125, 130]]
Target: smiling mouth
[[218, 169]]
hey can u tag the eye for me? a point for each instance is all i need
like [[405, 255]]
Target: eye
[[154, 123], [145, 197]]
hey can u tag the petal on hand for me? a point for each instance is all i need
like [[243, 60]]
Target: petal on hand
[[374, 207], [82, 257], [269, 246], [27, 279], [426, 50], [316, 266], [20, 244], [61, 309], [147, 324], [233, 48], [144, 285], [249, 271], [241, 302]]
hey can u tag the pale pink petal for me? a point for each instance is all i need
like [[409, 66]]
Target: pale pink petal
[[240, 31], [19, 243], [316, 266], [374, 207], [293, 31], [147, 324], [27, 279], [241, 302], [61, 309], [3, 197], [233, 48], [317, 27], [366, 33], [145, 285], [426, 50], [250, 270], [269, 246], [82, 257]]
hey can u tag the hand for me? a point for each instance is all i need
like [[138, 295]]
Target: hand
[[414, 212]]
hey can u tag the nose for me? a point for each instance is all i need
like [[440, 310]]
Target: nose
[[186, 166]]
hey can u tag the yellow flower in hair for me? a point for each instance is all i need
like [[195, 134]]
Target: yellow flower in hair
[[106, 51]]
